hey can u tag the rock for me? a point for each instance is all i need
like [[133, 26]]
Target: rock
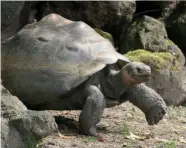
[[155, 9], [10, 105], [10, 17], [171, 85], [36, 123], [168, 75], [10, 10], [25, 129], [149, 34], [110, 16], [168, 6], [165, 58], [10, 137], [29, 14], [21, 127], [176, 25]]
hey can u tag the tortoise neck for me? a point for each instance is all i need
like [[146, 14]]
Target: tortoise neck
[[119, 81], [115, 85]]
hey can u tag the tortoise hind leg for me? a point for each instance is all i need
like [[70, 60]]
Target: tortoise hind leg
[[92, 111]]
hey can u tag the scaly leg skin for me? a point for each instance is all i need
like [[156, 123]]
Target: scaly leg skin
[[92, 111], [148, 100]]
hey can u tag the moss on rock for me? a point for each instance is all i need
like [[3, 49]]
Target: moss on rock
[[157, 60], [105, 35]]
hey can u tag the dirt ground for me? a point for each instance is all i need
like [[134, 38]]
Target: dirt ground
[[121, 126]]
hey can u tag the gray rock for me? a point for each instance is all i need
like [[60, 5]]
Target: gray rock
[[36, 123], [167, 7], [168, 76], [21, 127], [10, 137], [155, 9], [111, 16], [170, 84], [163, 8], [149, 34], [10, 17], [176, 25], [10, 104]]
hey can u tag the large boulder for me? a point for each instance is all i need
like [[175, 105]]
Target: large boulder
[[155, 9], [111, 16], [10, 17], [168, 75], [36, 123], [165, 58], [149, 34], [10, 137], [176, 25], [10, 105], [25, 129], [22, 127]]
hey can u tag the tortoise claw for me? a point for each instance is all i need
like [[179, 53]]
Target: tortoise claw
[[155, 114]]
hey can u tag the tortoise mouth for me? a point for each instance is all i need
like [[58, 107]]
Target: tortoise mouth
[[144, 77], [148, 77]]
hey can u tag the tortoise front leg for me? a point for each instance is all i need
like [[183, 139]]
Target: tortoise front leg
[[92, 111], [148, 100]]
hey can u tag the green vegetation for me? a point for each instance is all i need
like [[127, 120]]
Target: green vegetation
[[168, 144], [32, 141], [157, 60], [105, 35], [89, 139], [125, 131]]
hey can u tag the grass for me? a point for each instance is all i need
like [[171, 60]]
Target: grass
[[32, 141], [169, 144], [125, 131], [89, 139]]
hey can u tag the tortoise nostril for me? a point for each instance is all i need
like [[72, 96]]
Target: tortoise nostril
[[139, 70]]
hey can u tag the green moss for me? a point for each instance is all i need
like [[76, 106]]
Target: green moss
[[105, 35], [157, 60], [169, 42]]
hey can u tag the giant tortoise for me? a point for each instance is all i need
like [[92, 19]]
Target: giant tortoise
[[65, 65]]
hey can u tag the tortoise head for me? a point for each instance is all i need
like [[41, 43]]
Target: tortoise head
[[135, 73]]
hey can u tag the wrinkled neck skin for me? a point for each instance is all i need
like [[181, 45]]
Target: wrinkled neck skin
[[112, 84]]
